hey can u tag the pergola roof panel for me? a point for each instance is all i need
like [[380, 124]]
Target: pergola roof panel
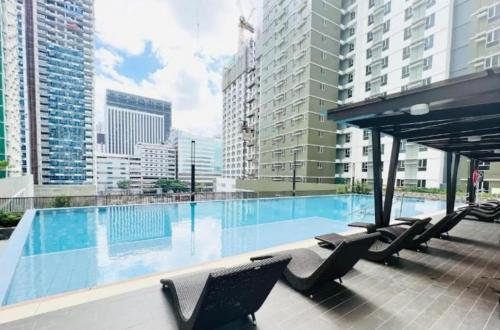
[[458, 109]]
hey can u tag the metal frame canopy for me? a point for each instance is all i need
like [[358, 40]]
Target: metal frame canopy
[[460, 116]]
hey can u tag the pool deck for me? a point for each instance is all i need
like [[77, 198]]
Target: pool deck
[[454, 284]]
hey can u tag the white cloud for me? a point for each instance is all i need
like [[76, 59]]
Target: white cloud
[[186, 36]]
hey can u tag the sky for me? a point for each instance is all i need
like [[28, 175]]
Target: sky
[[169, 49]]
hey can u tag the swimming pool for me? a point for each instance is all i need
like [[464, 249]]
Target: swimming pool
[[61, 250]]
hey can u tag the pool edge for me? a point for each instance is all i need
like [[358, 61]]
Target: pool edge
[[10, 256]]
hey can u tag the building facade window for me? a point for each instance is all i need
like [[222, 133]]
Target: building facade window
[[383, 80], [405, 71], [406, 52], [385, 62], [364, 166], [428, 63], [422, 164], [429, 21], [429, 42], [385, 44], [387, 26], [408, 13], [407, 33], [401, 165], [387, 8]]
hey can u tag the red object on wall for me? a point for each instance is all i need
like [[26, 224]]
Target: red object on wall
[[475, 177]]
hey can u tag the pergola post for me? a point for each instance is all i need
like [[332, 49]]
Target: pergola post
[[452, 164], [391, 180], [454, 179], [377, 178], [449, 161]]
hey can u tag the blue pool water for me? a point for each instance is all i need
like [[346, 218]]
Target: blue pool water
[[70, 249]]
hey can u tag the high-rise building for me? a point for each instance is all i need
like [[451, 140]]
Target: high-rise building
[[10, 140], [207, 165], [135, 119], [158, 161], [476, 47], [59, 51], [299, 78], [23, 106], [240, 88], [319, 54], [389, 47]]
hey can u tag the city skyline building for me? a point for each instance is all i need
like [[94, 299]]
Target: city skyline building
[[207, 158], [316, 55], [10, 141], [299, 82], [133, 119], [59, 50], [158, 161], [476, 47], [391, 47], [241, 90], [23, 110], [111, 169]]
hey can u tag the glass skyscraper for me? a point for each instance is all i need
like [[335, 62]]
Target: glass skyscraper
[[59, 50]]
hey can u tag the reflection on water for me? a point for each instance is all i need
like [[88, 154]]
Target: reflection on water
[[80, 248]]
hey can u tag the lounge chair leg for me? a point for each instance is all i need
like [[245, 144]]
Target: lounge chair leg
[[426, 244], [397, 253], [253, 318], [340, 280]]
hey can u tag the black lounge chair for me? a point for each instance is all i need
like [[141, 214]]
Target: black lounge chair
[[205, 300], [387, 245], [431, 230], [308, 270], [484, 214]]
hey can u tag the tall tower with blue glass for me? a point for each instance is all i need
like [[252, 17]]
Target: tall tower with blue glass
[[59, 50]]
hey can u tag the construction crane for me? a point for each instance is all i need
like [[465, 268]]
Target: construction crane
[[244, 23]]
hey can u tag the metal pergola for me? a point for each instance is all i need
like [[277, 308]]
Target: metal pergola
[[460, 116]]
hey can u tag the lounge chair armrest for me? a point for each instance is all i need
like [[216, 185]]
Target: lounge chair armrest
[[407, 220], [261, 258], [370, 227]]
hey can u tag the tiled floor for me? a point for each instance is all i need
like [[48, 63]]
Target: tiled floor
[[454, 284]]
